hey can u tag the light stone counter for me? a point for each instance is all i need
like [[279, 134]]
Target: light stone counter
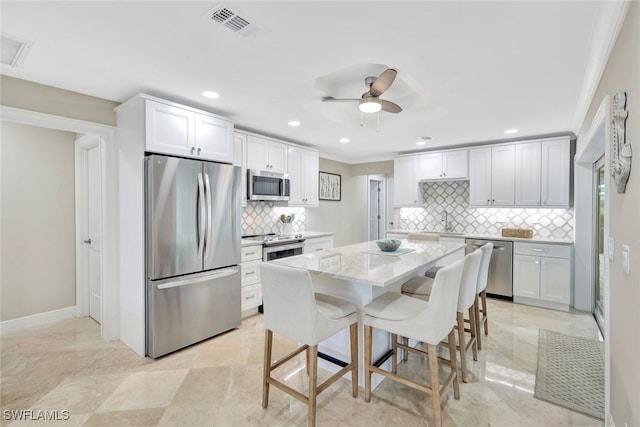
[[534, 239], [365, 263]]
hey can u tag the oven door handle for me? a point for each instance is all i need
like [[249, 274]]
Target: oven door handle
[[278, 248]]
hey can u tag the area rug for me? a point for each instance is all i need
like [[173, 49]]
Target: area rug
[[571, 372]]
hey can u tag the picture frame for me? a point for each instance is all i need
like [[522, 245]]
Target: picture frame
[[330, 186]]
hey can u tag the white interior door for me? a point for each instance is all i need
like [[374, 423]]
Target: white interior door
[[94, 241]]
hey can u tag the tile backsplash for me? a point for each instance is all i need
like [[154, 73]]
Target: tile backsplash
[[454, 197], [264, 218]]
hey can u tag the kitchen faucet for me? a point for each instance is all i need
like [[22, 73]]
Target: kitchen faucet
[[447, 225]]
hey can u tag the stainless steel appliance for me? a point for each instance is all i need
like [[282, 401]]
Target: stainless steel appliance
[[500, 281], [265, 185], [193, 251]]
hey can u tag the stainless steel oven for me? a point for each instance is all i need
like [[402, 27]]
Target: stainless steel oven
[[277, 251]]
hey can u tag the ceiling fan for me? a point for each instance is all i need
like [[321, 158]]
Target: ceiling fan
[[370, 101]]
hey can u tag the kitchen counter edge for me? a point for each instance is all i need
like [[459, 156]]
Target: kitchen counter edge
[[306, 234], [534, 239]]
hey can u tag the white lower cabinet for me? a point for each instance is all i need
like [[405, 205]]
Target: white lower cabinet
[[251, 291], [315, 244], [542, 275]]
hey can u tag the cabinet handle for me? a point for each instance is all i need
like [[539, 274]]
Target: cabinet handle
[[319, 249], [493, 201], [542, 262], [249, 272], [488, 201], [250, 253], [539, 250], [192, 149], [199, 150], [537, 262], [251, 297], [544, 202], [444, 174]]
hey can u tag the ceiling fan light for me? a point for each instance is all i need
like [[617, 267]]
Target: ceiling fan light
[[370, 105]]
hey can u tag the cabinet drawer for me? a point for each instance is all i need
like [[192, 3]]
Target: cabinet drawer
[[318, 244], [251, 296], [250, 253], [250, 272], [541, 249]]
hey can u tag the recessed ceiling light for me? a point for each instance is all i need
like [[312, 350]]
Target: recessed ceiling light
[[211, 95], [293, 123], [344, 140], [511, 131], [421, 142]]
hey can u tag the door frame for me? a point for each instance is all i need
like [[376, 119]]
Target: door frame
[[382, 205], [83, 292], [110, 326], [598, 143]]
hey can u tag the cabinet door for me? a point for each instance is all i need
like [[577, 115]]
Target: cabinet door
[[311, 169], [169, 129], [239, 159], [430, 166], [480, 177], [503, 175], [257, 152], [455, 164], [556, 173], [526, 276], [277, 157], [214, 138], [405, 181], [527, 170], [317, 244], [296, 176], [555, 280]]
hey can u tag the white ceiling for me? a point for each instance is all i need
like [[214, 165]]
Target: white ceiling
[[467, 71]]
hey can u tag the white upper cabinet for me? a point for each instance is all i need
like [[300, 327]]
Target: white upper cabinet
[[181, 131], [266, 154], [543, 173], [405, 182], [443, 165], [303, 174], [491, 176], [556, 173]]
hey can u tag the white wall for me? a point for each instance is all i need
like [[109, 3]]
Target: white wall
[[38, 220], [622, 74]]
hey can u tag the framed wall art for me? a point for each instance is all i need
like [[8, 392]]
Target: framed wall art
[[330, 186]]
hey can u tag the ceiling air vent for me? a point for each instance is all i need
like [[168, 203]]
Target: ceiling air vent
[[224, 15], [13, 50]]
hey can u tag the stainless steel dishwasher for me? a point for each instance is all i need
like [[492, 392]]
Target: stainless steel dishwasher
[[500, 281]]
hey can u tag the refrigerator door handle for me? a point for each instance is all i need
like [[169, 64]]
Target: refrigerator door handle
[[218, 275], [207, 186], [200, 214]]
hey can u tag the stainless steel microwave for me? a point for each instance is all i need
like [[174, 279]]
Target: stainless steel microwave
[[264, 185]]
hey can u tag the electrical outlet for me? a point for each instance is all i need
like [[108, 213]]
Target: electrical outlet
[[625, 258], [611, 248]]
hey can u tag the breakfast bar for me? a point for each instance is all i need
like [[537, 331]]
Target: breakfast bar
[[361, 272]]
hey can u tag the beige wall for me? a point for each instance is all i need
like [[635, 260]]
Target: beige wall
[[622, 74], [373, 168], [38, 220], [59, 102]]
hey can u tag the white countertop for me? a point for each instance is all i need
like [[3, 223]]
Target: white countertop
[[355, 263], [534, 239]]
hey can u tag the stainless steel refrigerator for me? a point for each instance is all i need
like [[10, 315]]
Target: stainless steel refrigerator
[[193, 251]]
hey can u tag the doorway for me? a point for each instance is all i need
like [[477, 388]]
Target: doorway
[[599, 253], [376, 207]]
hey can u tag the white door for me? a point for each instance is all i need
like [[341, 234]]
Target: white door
[[374, 217], [94, 240]]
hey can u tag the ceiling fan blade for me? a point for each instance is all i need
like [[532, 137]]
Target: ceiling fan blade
[[390, 107], [383, 82], [332, 99]]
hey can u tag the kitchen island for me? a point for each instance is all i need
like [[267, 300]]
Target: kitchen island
[[361, 272]]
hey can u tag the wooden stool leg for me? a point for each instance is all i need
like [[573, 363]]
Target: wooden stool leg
[[462, 346], [367, 363], [472, 329], [454, 367], [312, 362], [353, 335], [435, 380], [405, 355], [476, 313], [394, 355], [266, 373], [485, 319]]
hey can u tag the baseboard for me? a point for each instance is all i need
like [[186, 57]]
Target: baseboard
[[34, 320]]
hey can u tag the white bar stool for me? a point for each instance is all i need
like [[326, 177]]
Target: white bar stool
[[291, 309], [481, 297], [427, 321]]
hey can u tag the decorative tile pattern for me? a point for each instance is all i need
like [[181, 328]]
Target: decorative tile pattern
[[453, 196], [264, 217]]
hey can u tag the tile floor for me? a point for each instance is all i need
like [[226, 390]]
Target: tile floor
[[67, 367]]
